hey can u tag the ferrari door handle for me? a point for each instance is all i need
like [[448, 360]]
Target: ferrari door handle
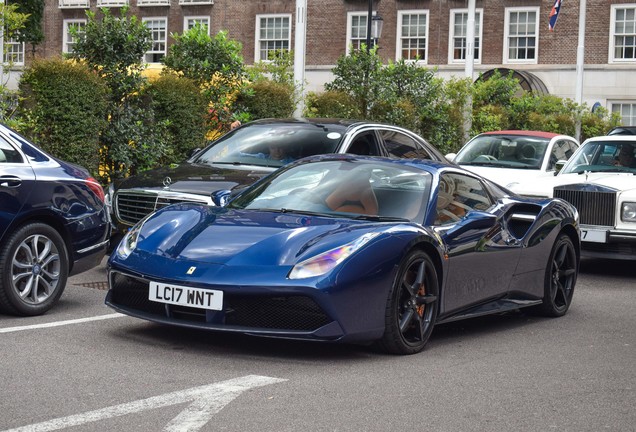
[[10, 181]]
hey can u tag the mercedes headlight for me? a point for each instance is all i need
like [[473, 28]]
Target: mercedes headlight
[[628, 213], [321, 264]]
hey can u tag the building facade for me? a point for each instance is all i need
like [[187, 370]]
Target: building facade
[[509, 35]]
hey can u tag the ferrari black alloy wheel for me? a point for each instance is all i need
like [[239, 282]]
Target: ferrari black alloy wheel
[[560, 278], [412, 306], [34, 269]]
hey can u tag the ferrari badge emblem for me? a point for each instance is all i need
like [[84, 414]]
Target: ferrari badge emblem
[[191, 270]]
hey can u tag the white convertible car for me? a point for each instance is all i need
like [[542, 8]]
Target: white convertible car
[[600, 180], [514, 155]]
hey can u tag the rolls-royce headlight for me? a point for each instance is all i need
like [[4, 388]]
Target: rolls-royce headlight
[[628, 213], [128, 244], [321, 264]]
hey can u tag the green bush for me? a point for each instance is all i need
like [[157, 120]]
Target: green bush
[[179, 103], [267, 98], [330, 104], [63, 105]]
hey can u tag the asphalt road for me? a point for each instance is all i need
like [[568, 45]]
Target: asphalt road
[[500, 373]]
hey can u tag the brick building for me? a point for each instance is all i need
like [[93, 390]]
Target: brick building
[[510, 34]]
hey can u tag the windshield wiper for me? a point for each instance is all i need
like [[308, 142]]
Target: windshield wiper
[[381, 218]]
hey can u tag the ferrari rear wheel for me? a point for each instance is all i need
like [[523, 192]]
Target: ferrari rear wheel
[[412, 306], [33, 270], [560, 278]]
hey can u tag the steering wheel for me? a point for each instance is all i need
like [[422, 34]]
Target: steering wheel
[[485, 158]]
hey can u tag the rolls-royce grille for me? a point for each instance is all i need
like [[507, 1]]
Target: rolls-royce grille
[[295, 313], [595, 208], [133, 206]]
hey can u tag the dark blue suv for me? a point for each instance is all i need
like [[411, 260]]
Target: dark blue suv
[[53, 223]]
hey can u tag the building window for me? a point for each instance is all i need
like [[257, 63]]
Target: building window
[[273, 33], [69, 41], [357, 31], [195, 2], [153, 2], [412, 35], [623, 37], [521, 35], [458, 32], [627, 111], [158, 30], [191, 21], [113, 3], [74, 4], [14, 52]]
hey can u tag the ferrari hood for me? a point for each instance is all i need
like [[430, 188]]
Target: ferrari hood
[[213, 235], [195, 179], [544, 187]]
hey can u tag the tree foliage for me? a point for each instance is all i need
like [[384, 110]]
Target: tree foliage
[[32, 32], [114, 48]]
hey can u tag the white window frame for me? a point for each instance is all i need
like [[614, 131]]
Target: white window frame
[[479, 21], [198, 18], [142, 3], [67, 23], [195, 2], [350, 16], [398, 37], [612, 46], [621, 103], [13, 48], [506, 58], [257, 34], [112, 3], [73, 4], [165, 40]]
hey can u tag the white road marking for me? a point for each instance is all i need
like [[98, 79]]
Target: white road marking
[[206, 401], [60, 323]]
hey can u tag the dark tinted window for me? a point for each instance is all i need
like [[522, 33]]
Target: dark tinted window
[[402, 146], [457, 195], [8, 154]]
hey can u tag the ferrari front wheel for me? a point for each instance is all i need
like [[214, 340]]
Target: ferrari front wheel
[[412, 306], [560, 278]]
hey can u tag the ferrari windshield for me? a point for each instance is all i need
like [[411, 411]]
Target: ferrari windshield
[[272, 144], [343, 188], [504, 151], [603, 156]]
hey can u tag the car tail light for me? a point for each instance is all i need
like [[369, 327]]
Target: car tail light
[[96, 187]]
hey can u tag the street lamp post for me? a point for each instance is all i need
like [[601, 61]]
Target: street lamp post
[[374, 26]]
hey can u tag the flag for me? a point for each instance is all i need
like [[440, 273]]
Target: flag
[[554, 14]]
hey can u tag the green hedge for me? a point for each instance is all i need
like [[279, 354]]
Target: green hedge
[[63, 106], [179, 103], [266, 98]]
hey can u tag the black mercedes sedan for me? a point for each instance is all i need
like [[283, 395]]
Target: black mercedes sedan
[[244, 155], [53, 223]]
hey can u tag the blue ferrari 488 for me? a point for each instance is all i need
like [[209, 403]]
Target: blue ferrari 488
[[351, 249]]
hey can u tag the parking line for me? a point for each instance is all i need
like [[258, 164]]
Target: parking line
[[60, 323]]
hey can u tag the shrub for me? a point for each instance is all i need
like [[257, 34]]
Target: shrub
[[64, 107], [178, 102], [327, 104], [267, 99]]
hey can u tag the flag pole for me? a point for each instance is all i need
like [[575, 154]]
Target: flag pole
[[580, 54]]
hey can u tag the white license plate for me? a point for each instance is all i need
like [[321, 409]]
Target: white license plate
[[185, 296], [594, 236]]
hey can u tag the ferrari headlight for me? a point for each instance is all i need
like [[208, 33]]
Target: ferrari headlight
[[628, 213], [321, 264], [129, 242]]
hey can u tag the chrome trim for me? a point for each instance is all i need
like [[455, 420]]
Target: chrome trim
[[90, 248], [524, 217]]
